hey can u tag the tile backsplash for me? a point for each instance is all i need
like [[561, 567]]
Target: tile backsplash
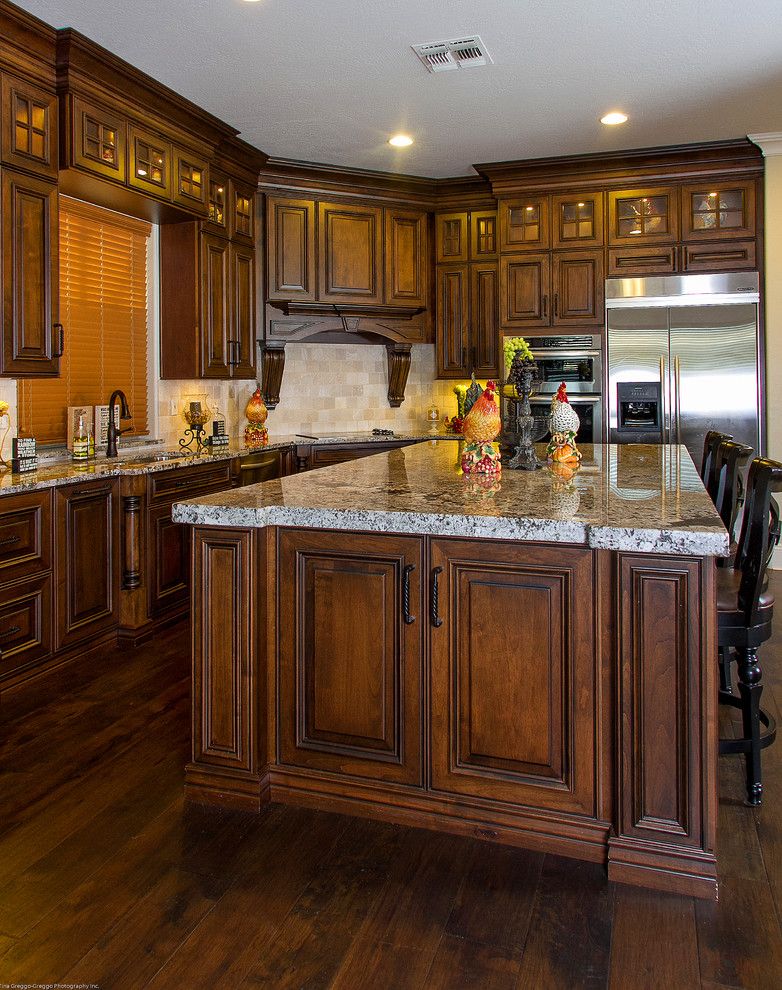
[[326, 388]]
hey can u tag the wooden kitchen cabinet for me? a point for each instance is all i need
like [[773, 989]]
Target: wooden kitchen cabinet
[[525, 288], [150, 163], [25, 625], [87, 538], [484, 319], [577, 220], [406, 257], [351, 658], [578, 286], [168, 560], [25, 535], [524, 223], [30, 275], [207, 304], [309, 456], [29, 127], [716, 211], [453, 316], [643, 216], [191, 181], [350, 249], [452, 239], [97, 141], [513, 705], [242, 214], [290, 228]]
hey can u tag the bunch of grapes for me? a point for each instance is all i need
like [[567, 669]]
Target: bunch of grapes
[[512, 344]]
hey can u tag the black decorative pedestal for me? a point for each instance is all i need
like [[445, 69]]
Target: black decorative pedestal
[[528, 428]]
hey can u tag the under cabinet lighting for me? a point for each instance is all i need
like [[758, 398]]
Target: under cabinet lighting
[[400, 141], [615, 117]]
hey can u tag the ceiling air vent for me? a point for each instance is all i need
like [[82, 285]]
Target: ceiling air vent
[[462, 53]]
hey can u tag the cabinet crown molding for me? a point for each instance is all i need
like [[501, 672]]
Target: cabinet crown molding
[[769, 143]]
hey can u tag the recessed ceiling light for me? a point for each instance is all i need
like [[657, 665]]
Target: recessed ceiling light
[[400, 141], [615, 117]]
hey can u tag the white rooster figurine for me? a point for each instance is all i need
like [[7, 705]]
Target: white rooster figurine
[[563, 422]]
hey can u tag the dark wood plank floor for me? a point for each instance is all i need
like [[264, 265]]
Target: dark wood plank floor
[[107, 877]]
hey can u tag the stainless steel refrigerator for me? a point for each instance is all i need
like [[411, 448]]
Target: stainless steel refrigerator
[[683, 357]]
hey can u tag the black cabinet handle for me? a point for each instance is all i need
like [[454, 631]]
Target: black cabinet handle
[[556, 304], [409, 619], [58, 327], [10, 632], [545, 305], [233, 350], [435, 598], [9, 539]]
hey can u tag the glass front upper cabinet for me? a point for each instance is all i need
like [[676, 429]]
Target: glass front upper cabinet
[[577, 220], [718, 211], [150, 162], [643, 216]]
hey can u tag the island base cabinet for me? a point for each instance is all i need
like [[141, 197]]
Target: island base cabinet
[[350, 663], [513, 674]]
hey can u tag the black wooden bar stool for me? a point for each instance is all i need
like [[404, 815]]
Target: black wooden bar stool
[[725, 483], [744, 611], [711, 445]]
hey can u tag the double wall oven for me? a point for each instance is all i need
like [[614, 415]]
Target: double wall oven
[[576, 360]]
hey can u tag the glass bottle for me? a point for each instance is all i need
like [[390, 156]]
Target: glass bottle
[[81, 441]]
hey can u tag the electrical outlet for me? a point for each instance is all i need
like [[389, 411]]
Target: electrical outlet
[[172, 408]]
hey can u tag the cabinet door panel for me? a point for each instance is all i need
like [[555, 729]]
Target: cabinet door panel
[[643, 216], [191, 182], [30, 275], [242, 213], [351, 253], [29, 138], [25, 535], [452, 244], [215, 306], [513, 701], [150, 163], [168, 561], [484, 322], [524, 224], [722, 256], [87, 560], [25, 624], [524, 290], [98, 140], [484, 242], [242, 260], [290, 226], [452, 320], [407, 257], [578, 288], [654, 260], [577, 220], [350, 667], [722, 211]]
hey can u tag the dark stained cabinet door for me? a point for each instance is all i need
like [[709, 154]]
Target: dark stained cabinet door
[[513, 702], [452, 244], [168, 561], [98, 140], [350, 666], [524, 224], [453, 315], [718, 211], [29, 127], [578, 287], [657, 259], [484, 242], [215, 306], [191, 181], [25, 624], [150, 164], [30, 275], [406, 258], [577, 220], [350, 242], [290, 227], [643, 216], [524, 290], [484, 318], [242, 342], [87, 568]]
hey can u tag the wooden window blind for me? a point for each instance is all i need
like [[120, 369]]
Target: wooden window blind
[[103, 309]]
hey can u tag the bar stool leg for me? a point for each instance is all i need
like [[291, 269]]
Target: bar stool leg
[[750, 689], [726, 684]]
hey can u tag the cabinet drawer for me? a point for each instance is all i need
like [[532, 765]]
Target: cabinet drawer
[[25, 535], [719, 256], [168, 486], [25, 624], [337, 454], [652, 260]]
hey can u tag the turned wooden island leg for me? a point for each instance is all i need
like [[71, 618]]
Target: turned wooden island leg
[[229, 762]]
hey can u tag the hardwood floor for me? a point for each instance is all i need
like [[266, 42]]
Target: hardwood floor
[[108, 878]]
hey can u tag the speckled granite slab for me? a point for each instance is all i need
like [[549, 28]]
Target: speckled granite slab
[[641, 498]]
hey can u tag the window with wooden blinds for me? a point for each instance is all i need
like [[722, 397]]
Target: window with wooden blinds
[[103, 309]]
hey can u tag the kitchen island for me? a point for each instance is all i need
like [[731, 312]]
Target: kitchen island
[[531, 659]]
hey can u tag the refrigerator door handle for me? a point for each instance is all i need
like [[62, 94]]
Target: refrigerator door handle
[[662, 400], [677, 398]]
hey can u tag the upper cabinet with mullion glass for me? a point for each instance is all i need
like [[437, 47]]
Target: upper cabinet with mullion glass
[[150, 162], [98, 140], [718, 211], [643, 216], [577, 220], [242, 213], [29, 128], [191, 181], [524, 224]]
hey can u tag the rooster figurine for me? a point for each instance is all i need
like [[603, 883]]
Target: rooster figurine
[[481, 426], [563, 422]]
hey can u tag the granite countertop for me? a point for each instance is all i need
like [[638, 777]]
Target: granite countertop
[[60, 469], [642, 498]]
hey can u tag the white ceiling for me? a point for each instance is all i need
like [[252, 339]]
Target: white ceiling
[[331, 80]]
